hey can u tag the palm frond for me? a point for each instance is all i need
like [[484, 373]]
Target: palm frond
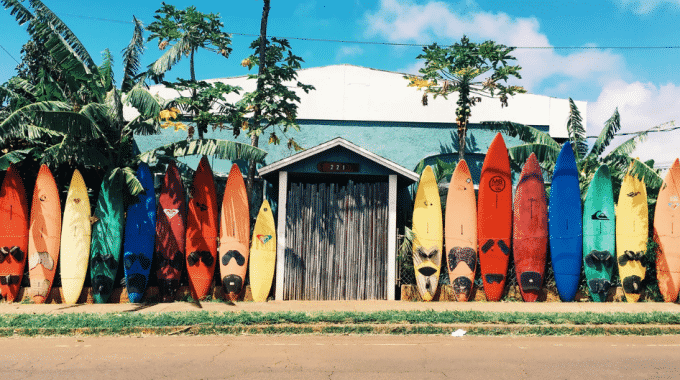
[[70, 151], [645, 173], [114, 106], [627, 147], [546, 154], [16, 123], [132, 56], [76, 126], [23, 85], [157, 70], [577, 134], [139, 126], [60, 28], [20, 13], [17, 156], [35, 133], [129, 178], [106, 70], [146, 104], [607, 134], [224, 149], [528, 134]]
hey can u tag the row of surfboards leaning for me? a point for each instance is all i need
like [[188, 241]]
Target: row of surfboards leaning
[[175, 233], [491, 230]]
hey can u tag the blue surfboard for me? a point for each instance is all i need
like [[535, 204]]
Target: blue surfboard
[[140, 236], [565, 224]]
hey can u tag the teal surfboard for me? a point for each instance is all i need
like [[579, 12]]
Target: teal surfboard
[[599, 234], [107, 236]]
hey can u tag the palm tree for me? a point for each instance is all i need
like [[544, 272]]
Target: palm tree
[[547, 149], [79, 119]]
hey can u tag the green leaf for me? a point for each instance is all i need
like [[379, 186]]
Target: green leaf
[[16, 124], [157, 70], [16, 156], [224, 149], [607, 134], [546, 154], [577, 134], [523, 132], [132, 56]]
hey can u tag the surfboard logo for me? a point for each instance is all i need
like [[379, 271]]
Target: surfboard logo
[[600, 215], [76, 200], [43, 198], [497, 184], [264, 238], [633, 194], [674, 202], [201, 206], [170, 212]]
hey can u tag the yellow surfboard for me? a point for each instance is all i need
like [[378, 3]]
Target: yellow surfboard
[[428, 231], [631, 235], [75, 239], [263, 254]]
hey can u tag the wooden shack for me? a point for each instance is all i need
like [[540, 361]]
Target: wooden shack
[[336, 223]]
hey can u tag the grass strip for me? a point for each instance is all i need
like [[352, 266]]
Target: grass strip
[[383, 322]]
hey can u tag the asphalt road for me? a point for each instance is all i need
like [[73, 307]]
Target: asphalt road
[[340, 357]]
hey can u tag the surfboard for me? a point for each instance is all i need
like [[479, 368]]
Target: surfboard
[[530, 230], [140, 236], [201, 238], [44, 235], [170, 233], [494, 218], [428, 233], [460, 235], [13, 233], [234, 247], [263, 254], [599, 233], [565, 224], [108, 230], [631, 235], [667, 234], [75, 239]]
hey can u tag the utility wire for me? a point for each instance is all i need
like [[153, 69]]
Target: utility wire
[[408, 44], [5, 50]]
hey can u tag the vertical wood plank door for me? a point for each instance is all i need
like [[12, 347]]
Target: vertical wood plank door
[[337, 248]]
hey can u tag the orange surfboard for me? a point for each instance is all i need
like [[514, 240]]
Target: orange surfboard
[[13, 233], [44, 235], [201, 238], [460, 235], [494, 218], [667, 234], [234, 235]]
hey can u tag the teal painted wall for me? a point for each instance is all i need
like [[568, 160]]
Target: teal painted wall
[[403, 143]]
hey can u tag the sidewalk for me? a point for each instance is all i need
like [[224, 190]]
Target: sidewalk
[[329, 306]]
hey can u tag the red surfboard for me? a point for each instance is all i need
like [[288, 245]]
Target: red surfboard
[[530, 230], [13, 233], [494, 218], [234, 235], [170, 233], [201, 238]]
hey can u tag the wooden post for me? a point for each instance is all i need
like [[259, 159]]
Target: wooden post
[[391, 238], [281, 235]]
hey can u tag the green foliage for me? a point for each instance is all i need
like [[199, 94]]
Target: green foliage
[[274, 103], [472, 71], [132, 57], [188, 30], [207, 103]]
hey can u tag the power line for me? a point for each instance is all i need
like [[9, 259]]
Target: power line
[[5, 50], [382, 43]]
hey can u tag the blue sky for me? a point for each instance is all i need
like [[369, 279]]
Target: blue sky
[[643, 83]]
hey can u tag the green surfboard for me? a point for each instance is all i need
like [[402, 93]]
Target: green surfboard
[[107, 236], [599, 234]]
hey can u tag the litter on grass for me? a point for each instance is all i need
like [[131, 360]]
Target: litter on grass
[[459, 332]]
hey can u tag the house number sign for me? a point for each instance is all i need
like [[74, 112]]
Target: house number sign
[[337, 167]]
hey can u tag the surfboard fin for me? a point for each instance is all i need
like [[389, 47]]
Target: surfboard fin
[[530, 281], [631, 284]]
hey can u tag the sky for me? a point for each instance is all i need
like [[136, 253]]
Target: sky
[[604, 52]]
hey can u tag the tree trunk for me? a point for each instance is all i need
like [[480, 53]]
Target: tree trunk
[[254, 140], [462, 131], [192, 71]]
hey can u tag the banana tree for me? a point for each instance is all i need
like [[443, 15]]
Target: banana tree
[[79, 119], [547, 149]]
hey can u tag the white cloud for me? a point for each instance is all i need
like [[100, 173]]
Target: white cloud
[[544, 70], [642, 106], [348, 51], [644, 7]]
